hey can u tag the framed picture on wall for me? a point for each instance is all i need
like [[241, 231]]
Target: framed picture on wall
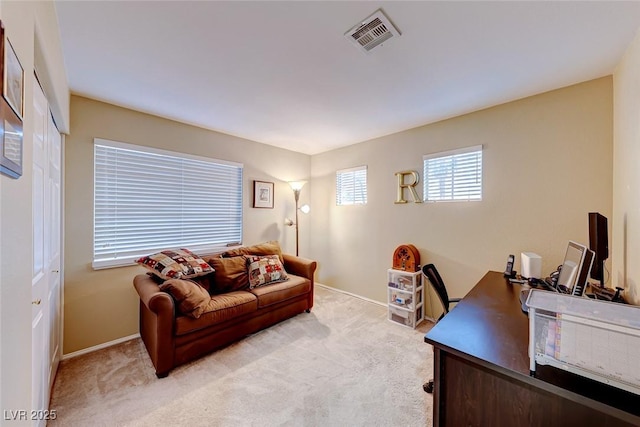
[[10, 141], [12, 79], [1, 57], [262, 194]]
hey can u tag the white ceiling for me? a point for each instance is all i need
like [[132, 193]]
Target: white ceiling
[[282, 73]]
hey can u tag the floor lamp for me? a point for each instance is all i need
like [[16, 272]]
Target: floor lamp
[[296, 186]]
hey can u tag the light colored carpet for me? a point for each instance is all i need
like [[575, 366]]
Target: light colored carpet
[[343, 364]]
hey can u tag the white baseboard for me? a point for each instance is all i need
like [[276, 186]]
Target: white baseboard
[[351, 294], [99, 347]]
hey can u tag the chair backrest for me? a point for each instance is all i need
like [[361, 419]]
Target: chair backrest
[[432, 274]]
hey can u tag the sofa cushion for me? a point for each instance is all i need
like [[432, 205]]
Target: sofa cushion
[[208, 281], [190, 297], [282, 291], [231, 274], [219, 308], [267, 248], [175, 264], [264, 270]]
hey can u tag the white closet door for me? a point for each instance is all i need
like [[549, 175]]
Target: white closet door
[[45, 285]]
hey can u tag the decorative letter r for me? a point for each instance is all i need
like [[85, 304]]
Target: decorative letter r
[[411, 186]]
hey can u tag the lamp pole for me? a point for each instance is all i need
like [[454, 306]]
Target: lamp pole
[[296, 194], [296, 186]]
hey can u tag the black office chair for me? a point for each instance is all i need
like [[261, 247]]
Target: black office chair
[[436, 281]]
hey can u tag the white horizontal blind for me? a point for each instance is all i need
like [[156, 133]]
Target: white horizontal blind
[[147, 200], [351, 186], [453, 175]]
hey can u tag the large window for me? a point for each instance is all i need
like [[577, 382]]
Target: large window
[[147, 200], [453, 175], [351, 186]]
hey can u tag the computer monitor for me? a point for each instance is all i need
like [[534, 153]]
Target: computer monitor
[[572, 271], [583, 276]]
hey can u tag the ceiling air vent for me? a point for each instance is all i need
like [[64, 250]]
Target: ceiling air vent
[[372, 32]]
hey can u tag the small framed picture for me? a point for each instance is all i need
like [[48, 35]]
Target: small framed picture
[[1, 57], [262, 194], [13, 79], [10, 141]]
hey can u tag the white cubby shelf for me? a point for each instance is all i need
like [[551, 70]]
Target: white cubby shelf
[[405, 297]]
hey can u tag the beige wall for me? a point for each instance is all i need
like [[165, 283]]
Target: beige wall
[[101, 306], [625, 240], [547, 163], [31, 27], [557, 146]]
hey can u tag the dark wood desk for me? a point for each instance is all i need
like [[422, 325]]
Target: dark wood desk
[[481, 371]]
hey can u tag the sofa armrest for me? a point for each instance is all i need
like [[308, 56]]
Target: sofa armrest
[[300, 266], [150, 294], [157, 318]]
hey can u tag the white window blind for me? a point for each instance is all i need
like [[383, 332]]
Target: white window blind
[[453, 175], [146, 200], [351, 186]]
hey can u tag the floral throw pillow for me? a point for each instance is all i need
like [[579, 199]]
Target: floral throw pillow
[[175, 264], [264, 270]]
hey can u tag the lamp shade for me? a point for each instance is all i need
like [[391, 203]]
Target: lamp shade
[[297, 185], [305, 209]]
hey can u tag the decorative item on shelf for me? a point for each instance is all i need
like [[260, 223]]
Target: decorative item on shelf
[[296, 186], [405, 283], [400, 300], [406, 258]]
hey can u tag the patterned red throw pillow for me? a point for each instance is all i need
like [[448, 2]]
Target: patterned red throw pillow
[[264, 270], [175, 264]]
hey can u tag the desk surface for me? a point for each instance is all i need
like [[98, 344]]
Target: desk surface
[[489, 328], [488, 324]]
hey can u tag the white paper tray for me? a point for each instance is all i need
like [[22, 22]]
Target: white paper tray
[[596, 339]]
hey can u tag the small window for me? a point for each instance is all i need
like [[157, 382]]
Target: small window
[[351, 186], [453, 175], [146, 200]]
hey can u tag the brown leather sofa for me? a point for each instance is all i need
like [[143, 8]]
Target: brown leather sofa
[[173, 339]]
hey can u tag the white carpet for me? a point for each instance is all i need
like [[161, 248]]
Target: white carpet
[[343, 364]]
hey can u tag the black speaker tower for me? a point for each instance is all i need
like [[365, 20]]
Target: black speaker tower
[[598, 243]]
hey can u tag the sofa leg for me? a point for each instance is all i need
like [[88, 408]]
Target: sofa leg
[[308, 310], [162, 375]]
